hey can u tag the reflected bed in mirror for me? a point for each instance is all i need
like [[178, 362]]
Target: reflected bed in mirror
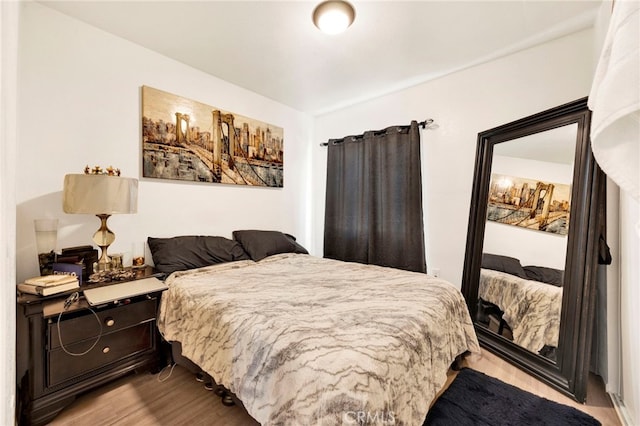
[[521, 304], [531, 244]]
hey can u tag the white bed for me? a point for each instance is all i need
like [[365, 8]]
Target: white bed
[[302, 340]]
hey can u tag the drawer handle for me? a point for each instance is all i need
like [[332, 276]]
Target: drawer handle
[[109, 322], [106, 350]]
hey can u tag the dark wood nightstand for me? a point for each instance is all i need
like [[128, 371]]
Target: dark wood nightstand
[[58, 353]]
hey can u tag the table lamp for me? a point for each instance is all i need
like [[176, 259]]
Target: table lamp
[[102, 195]]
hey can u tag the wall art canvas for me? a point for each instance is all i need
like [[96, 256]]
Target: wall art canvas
[[187, 140], [529, 203]]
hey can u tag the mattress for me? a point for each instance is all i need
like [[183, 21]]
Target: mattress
[[302, 340]]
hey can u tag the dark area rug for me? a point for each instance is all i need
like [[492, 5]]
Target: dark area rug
[[476, 399]]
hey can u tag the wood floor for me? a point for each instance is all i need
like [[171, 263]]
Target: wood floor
[[143, 400]]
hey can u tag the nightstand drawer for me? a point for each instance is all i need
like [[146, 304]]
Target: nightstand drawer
[[111, 347], [86, 326]]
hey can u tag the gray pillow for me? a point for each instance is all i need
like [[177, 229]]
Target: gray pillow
[[509, 265], [260, 244], [193, 251], [545, 275]]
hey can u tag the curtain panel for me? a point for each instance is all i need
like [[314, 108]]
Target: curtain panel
[[373, 211]]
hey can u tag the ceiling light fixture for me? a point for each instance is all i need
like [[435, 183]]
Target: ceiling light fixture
[[333, 16]]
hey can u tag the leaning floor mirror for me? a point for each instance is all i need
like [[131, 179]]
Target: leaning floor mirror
[[534, 224]]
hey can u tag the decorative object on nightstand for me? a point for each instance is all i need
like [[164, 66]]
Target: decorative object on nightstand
[[46, 240], [113, 275], [84, 255], [138, 255], [116, 261], [103, 194]]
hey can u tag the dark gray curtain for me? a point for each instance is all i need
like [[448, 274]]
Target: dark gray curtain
[[373, 211]]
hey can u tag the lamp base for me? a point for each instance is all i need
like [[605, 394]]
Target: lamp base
[[103, 238], [103, 264]]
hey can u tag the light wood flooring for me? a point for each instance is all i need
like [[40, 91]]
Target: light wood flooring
[[143, 400]]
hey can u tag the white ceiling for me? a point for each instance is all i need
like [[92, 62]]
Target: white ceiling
[[553, 146], [272, 47]]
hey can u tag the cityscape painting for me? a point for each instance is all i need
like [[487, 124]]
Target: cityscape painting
[[529, 203], [187, 140]]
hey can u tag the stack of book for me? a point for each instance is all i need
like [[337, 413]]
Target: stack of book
[[49, 284]]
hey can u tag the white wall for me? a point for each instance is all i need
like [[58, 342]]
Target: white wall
[[79, 104], [9, 13], [629, 312], [462, 104]]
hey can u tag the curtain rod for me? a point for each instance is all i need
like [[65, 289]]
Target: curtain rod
[[426, 124]]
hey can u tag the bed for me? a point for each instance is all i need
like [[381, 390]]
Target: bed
[[307, 340], [530, 307]]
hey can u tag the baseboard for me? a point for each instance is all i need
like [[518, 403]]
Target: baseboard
[[621, 409]]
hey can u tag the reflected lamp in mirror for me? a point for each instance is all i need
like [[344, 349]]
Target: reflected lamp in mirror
[[101, 195]]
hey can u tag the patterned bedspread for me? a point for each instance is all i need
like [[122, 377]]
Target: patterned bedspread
[[531, 308], [303, 340]]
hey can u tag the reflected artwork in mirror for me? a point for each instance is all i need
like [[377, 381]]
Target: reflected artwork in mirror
[[535, 216]]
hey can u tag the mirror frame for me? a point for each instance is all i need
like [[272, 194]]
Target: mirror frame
[[569, 374]]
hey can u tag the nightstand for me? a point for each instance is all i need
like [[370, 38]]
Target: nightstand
[[58, 353]]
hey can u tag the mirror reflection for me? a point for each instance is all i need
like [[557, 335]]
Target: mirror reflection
[[525, 241]]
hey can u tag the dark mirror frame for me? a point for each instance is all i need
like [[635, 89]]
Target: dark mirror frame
[[569, 374]]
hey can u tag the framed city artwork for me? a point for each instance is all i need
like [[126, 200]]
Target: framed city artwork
[[186, 140]]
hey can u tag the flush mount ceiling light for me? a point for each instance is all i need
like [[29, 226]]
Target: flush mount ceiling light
[[333, 16]]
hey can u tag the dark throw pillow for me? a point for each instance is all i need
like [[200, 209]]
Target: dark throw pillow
[[260, 244], [193, 251], [509, 265], [545, 275]]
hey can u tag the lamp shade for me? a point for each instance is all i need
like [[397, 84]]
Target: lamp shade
[[99, 194]]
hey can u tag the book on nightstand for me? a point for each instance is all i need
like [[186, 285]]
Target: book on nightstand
[[46, 291], [49, 284], [51, 280]]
